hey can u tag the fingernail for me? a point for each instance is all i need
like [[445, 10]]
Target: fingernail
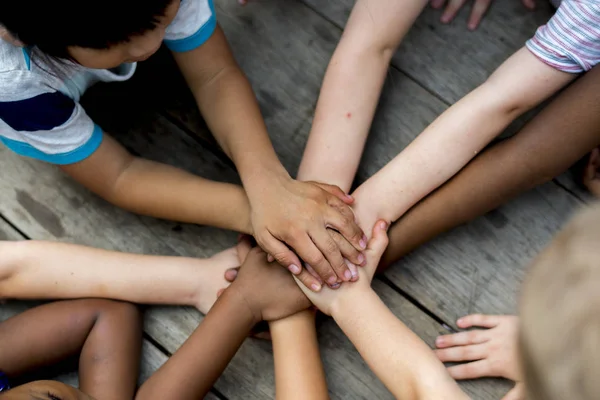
[[361, 258], [347, 275], [335, 285], [363, 242], [316, 287], [240, 237], [234, 272], [332, 280], [439, 341], [383, 225], [349, 197], [294, 269]]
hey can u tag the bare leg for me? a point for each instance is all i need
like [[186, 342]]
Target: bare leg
[[555, 139], [108, 334]]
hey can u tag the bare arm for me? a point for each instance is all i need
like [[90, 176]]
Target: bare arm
[[262, 291], [457, 136], [283, 211], [352, 87], [49, 270], [404, 363], [298, 369], [159, 190]]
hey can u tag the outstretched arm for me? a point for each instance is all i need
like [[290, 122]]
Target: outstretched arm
[[455, 137], [261, 291], [298, 369], [49, 270], [403, 362], [352, 87]]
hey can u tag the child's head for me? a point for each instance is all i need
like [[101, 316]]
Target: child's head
[[560, 315], [95, 34]]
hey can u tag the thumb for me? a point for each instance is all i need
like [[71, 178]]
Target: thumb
[[336, 191], [516, 393], [379, 240], [243, 248]]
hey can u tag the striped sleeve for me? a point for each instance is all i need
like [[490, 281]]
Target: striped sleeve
[[46, 125], [570, 41]]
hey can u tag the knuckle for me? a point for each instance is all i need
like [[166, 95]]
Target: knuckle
[[317, 261]]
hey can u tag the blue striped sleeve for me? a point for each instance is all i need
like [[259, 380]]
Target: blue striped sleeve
[[40, 113], [194, 24]]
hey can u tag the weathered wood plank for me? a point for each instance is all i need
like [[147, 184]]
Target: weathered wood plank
[[7, 232], [431, 47], [479, 267]]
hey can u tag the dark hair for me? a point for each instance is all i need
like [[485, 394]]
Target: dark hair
[[55, 25]]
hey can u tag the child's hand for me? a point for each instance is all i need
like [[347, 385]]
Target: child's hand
[[295, 215], [479, 9], [491, 352], [327, 299], [269, 291]]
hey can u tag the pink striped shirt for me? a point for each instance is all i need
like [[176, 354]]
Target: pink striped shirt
[[570, 41]]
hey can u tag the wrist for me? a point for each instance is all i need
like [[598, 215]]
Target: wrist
[[347, 300], [264, 175], [242, 302]]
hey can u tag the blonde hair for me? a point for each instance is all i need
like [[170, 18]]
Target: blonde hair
[[560, 315]]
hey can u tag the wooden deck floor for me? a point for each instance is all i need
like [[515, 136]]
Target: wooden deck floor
[[284, 47]]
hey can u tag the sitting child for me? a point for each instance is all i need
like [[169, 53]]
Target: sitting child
[[52, 52]]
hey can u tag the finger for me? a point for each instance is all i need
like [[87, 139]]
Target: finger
[[337, 192], [220, 292], [480, 7], [313, 272], [270, 258], [437, 3], [243, 248], [484, 321], [280, 252], [462, 353], [451, 10], [309, 281], [231, 274], [311, 254], [472, 370], [341, 218], [516, 393], [461, 339], [530, 4], [346, 248], [332, 253], [353, 270]]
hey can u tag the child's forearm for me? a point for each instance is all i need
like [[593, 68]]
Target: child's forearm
[[47, 270], [403, 362], [192, 370], [159, 190], [298, 369], [458, 135], [231, 111], [548, 145], [351, 89]]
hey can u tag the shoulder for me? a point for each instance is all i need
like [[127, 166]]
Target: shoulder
[[193, 25]]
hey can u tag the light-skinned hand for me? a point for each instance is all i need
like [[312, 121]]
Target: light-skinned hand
[[327, 298], [292, 217], [480, 7], [488, 353]]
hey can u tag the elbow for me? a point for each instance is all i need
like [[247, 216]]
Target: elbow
[[11, 255], [510, 103]]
